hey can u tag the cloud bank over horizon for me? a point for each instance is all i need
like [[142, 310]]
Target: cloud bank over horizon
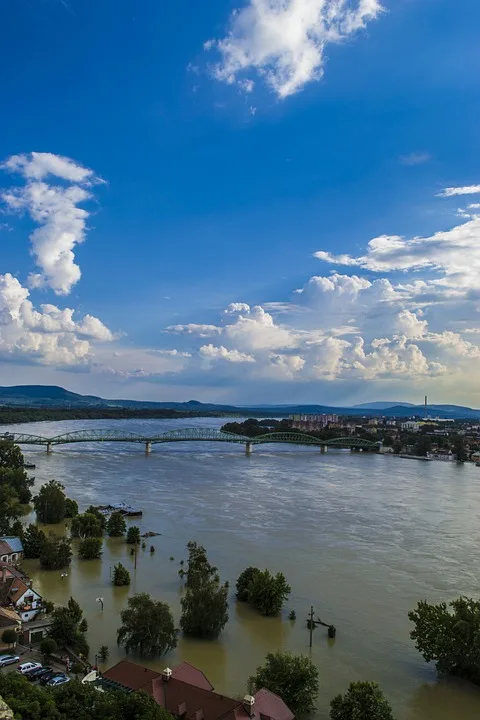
[[404, 318]]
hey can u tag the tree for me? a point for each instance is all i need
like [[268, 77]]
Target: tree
[[293, 677], [459, 449], [50, 503], [56, 552], [103, 653], [18, 479], [47, 647], [9, 637], [245, 581], [10, 455], [116, 525], [10, 511], [133, 535], [66, 627], [90, 548], [422, 445], [121, 576], [450, 638], [87, 525], [362, 701], [71, 508], [268, 592], [147, 626], [33, 541], [205, 604]]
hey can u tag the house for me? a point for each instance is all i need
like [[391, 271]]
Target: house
[[11, 550], [9, 620], [187, 694], [16, 592]]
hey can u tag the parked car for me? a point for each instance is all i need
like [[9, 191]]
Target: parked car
[[48, 676], [27, 666], [58, 680], [8, 659], [36, 673]]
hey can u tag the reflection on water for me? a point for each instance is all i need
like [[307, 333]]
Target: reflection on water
[[361, 537]]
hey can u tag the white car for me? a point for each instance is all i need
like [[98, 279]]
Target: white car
[[27, 666], [8, 659]]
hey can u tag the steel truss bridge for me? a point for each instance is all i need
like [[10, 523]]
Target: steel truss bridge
[[190, 435]]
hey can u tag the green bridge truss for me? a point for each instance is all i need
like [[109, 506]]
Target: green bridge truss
[[187, 435]]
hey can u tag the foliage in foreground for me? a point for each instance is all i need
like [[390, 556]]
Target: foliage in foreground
[[147, 626], [266, 592], [362, 701], [450, 638], [14, 488], [75, 701], [293, 677], [121, 576], [68, 627], [56, 552], [205, 604]]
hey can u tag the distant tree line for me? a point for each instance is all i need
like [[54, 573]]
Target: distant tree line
[[16, 415]]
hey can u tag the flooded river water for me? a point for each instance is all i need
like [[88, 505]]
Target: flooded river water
[[361, 537]]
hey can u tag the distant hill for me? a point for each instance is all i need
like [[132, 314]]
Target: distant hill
[[382, 405], [52, 396]]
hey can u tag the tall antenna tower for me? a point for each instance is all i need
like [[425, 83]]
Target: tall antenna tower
[[426, 399]]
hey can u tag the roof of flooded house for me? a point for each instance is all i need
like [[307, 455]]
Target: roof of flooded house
[[11, 571], [9, 617], [14, 543], [18, 588], [189, 694], [193, 676], [131, 675], [5, 548]]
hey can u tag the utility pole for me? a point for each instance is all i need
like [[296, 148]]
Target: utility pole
[[311, 625]]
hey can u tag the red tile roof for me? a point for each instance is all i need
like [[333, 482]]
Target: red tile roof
[[131, 675], [189, 674], [189, 695]]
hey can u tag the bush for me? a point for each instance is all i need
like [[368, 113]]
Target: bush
[[264, 591], [9, 637], [48, 646], [90, 548], [121, 576]]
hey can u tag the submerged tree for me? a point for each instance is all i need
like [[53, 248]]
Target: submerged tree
[[116, 525], [50, 503], [293, 677], [68, 627], [205, 604], [121, 576], [362, 701], [71, 508], [56, 552], [86, 526], [133, 535], [449, 637], [90, 548], [147, 626], [33, 541]]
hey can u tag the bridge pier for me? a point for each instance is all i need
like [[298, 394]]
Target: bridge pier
[[323, 448], [49, 448], [148, 447], [248, 448]]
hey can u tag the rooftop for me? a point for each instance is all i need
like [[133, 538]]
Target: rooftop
[[14, 542]]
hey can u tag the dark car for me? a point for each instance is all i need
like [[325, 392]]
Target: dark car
[[48, 676], [37, 673]]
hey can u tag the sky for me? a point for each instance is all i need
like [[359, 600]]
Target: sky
[[243, 201]]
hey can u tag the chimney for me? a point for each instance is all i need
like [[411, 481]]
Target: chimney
[[4, 574], [166, 674], [248, 704]]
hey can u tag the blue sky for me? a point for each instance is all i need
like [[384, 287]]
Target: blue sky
[[195, 219]]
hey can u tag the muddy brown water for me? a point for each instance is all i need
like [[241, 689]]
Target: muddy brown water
[[361, 537]]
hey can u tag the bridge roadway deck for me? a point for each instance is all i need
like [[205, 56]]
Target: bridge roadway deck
[[188, 435]]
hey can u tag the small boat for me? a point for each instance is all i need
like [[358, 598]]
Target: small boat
[[29, 466]]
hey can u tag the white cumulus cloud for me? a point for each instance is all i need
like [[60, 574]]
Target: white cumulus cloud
[[211, 352], [284, 42], [56, 209]]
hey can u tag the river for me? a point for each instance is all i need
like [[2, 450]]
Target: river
[[361, 537]]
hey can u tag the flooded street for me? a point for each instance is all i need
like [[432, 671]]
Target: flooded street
[[361, 537]]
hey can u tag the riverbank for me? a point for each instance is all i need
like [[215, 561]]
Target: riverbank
[[18, 416]]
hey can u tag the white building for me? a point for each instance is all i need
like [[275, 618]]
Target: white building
[[410, 426]]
